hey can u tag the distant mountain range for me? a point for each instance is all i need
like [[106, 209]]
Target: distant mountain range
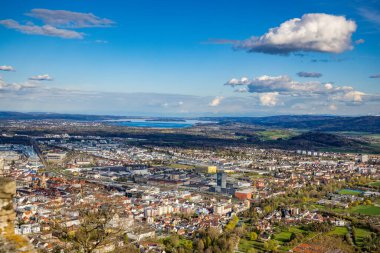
[[370, 124], [56, 116]]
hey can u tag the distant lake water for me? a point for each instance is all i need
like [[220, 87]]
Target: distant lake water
[[155, 124]]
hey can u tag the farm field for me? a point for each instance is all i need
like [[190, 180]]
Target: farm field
[[341, 231], [349, 192], [366, 210], [375, 183], [276, 134]]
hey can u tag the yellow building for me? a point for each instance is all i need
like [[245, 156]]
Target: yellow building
[[211, 169]]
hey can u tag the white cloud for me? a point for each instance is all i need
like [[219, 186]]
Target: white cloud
[[329, 86], [269, 87], [236, 82], [286, 85], [314, 32], [46, 30], [12, 87], [273, 83], [216, 101], [354, 96], [6, 68], [268, 99], [44, 77], [69, 19]]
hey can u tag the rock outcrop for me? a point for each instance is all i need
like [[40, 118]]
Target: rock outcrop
[[9, 241]]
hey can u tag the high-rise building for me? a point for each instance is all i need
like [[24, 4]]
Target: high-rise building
[[221, 179]]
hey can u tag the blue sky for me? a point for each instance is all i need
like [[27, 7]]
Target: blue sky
[[175, 57]]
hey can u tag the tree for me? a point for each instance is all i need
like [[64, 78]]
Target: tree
[[332, 244], [126, 249], [372, 243], [188, 245], [267, 209], [200, 245], [174, 240], [213, 233], [253, 236], [271, 245], [293, 236], [232, 223], [93, 231]]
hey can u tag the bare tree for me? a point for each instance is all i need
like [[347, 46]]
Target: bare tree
[[93, 232]]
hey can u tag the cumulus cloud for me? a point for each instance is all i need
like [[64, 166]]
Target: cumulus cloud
[[270, 87], [375, 76], [44, 77], [216, 101], [354, 96], [268, 99], [46, 30], [236, 82], [266, 83], [309, 74], [69, 19], [314, 32], [329, 86], [6, 68]]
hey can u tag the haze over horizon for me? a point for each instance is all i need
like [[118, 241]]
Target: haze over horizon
[[190, 58]]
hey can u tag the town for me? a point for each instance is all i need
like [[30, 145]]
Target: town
[[160, 199]]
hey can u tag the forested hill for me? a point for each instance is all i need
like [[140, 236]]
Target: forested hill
[[370, 124]]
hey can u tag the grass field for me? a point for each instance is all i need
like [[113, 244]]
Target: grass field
[[245, 245], [341, 231], [296, 230], [349, 192], [276, 134], [375, 183], [366, 210], [282, 237]]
